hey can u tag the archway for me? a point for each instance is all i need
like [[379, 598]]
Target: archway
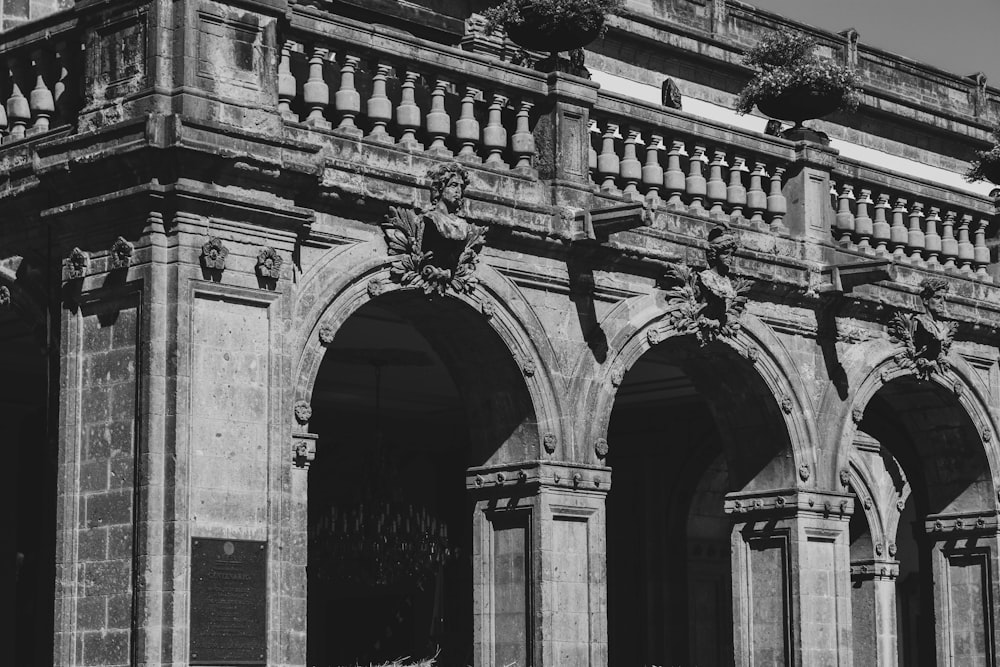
[[411, 393], [927, 460], [31, 467], [689, 425]]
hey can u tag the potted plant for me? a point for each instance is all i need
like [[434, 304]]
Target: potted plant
[[791, 82], [986, 166], [551, 25]]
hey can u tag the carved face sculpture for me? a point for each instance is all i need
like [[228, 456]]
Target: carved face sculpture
[[451, 193], [935, 304]]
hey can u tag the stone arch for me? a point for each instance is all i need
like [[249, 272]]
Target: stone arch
[[348, 279], [638, 324], [960, 383]]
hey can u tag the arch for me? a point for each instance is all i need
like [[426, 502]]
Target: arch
[[636, 325], [349, 278], [960, 381]]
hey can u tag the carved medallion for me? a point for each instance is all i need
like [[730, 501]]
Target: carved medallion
[[804, 472], [926, 338], [120, 255], [708, 303], [489, 309], [528, 366], [549, 442], [213, 254], [845, 477], [76, 264], [437, 249], [786, 404], [857, 414], [617, 376], [375, 288], [269, 263]]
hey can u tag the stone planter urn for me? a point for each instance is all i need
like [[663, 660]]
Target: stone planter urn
[[531, 35], [799, 104]]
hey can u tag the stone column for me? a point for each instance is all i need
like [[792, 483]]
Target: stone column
[[964, 567], [873, 610], [791, 575], [539, 565]]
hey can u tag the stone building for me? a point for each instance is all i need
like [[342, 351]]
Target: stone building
[[670, 390]]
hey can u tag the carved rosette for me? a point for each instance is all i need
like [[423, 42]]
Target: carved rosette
[[269, 263], [4, 296], [413, 267], [120, 255], [214, 254], [601, 448], [303, 411], [326, 334], [75, 266]]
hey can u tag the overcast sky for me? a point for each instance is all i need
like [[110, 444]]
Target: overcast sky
[[959, 36]]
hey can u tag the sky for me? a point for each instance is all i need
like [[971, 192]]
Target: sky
[[958, 36]]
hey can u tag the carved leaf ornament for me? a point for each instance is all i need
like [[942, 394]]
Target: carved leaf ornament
[[414, 267]]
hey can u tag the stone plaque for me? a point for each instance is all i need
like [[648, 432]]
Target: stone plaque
[[228, 602]]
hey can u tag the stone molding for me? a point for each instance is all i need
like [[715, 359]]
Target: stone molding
[[534, 474]]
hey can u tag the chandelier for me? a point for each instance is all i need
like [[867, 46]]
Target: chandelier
[[379, 540]]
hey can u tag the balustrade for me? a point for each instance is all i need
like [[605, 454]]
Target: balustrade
[[458, 113], [696, 175], [38, 89], [919, 230]]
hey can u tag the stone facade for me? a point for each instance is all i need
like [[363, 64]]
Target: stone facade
[[510, 365]]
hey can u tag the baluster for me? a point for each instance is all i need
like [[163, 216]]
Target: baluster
[[715, 187], [40, 100], [880, 225], [915, 235], [408, 113], [347, 99], [315, 91], [438, 122], [18, 111], [630, 168], [593, 135], [494, 134], [981, 252], [652, 172], [522, 142], [863, 225], [608, 164], [736, 193], [379, 106], [932, 241], [756, 198], [673, 177], [897, 231], [60, 92], [845, 218], [777, 205], [467, 127], [695, 184], [286, 83], [949, 245], [3, 108], [966, 252]]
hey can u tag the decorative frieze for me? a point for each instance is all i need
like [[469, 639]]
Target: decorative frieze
[[549, 474], [973, 522], [791, 501], [437, 249]]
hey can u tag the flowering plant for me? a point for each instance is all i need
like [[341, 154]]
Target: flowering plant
[[547, 16], [786, 62], [986, 166]]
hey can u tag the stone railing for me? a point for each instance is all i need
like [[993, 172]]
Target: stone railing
[[914, 222], [39, 79], [388, 87], [643, 150]]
